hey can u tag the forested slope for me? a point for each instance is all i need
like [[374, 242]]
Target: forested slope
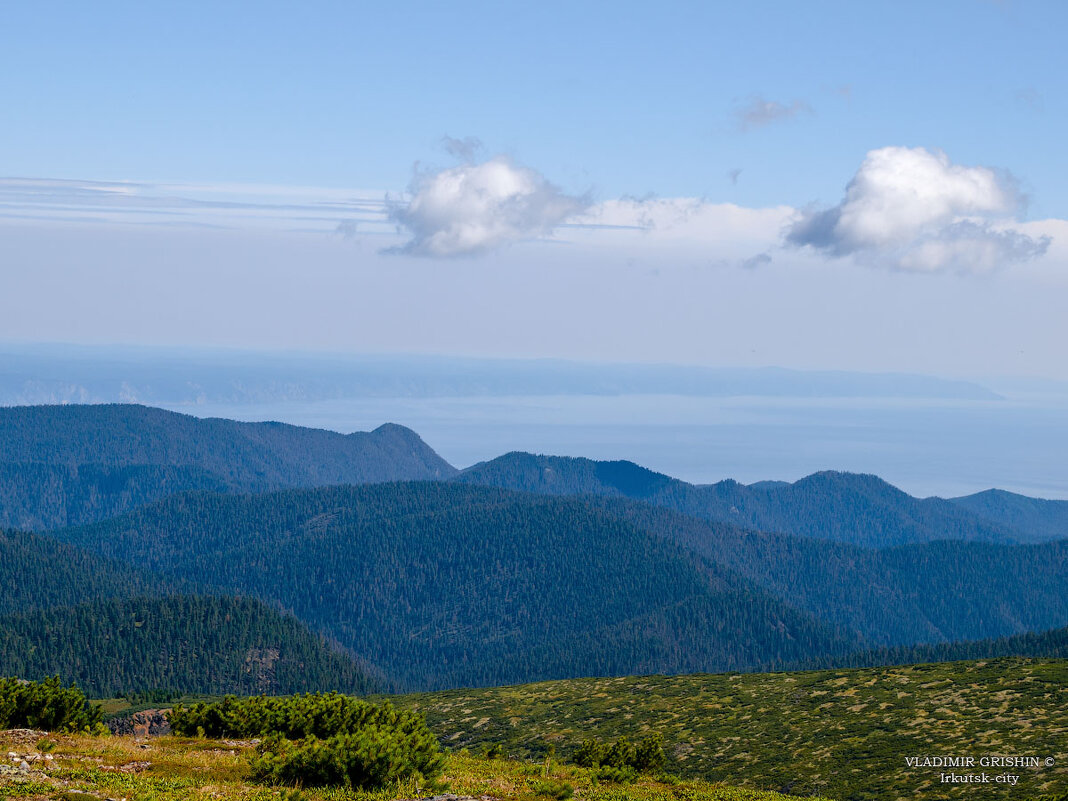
[[449, 585], [1042, 644], [38, 572], [930, 592], [35, 496], [179, 644], [1038, 515]]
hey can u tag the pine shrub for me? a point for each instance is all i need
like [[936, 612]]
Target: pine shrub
[[323, 739], [46, 705]]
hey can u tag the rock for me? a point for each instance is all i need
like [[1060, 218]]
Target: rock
[[24, 736], [24, 766], [147, 723]]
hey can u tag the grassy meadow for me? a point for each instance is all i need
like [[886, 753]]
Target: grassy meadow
[[834, 734], [840, 733], [173, 769]]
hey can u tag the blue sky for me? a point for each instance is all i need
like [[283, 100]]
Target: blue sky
[[663, 184]]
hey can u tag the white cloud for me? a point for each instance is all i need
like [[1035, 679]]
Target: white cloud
[[715, 225], [475, 208], [911, 209]]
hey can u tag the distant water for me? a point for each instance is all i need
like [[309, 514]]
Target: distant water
[[926, 447]]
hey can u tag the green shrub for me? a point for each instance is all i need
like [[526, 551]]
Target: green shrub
[[322, 739], [294, 717], [620, 754], [561, 791], [589, 754], [649, 755], [369, 759], [494, 751], [46, 705], [645, 757], [609, 773]]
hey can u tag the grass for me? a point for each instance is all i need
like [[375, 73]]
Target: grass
[[172, 768], [842, 733]]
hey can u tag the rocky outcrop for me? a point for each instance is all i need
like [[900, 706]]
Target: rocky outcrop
[[146, 723]]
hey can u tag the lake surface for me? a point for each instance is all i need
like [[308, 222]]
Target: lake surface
[[947, 448]]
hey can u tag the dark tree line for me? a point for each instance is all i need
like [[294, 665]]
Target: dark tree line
[[177, 645]]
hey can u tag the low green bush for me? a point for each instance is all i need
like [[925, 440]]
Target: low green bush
[[46, 705], [369, 759], [561, 791], [294, 717], [645, 757], [322, 739], [624, 774]]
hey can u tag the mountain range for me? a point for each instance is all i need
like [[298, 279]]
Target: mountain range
[[370, 558], [845, 507], [67, 465]]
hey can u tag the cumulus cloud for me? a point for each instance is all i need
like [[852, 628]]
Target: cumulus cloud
[[760, 112], [912, 209], [475, 208]]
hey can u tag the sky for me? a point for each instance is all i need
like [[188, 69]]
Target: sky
[[849, 186]]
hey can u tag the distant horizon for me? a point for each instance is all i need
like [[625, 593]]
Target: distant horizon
[[90, 348], [924, 434]]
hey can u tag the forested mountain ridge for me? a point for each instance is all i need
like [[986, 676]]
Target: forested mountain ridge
[[928, 592], [442, 584], [1037, 515], [845, 507], [70, 465], [181, 644]]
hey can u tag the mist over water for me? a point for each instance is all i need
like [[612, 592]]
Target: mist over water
[[926, 447]]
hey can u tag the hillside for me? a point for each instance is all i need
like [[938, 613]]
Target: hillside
[[845, 507], [448, 585], [844, 734], [178, 644], [1048, 519], [38, 572], [70, 465], [1043, 644], [38, 497], [931, 592]]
